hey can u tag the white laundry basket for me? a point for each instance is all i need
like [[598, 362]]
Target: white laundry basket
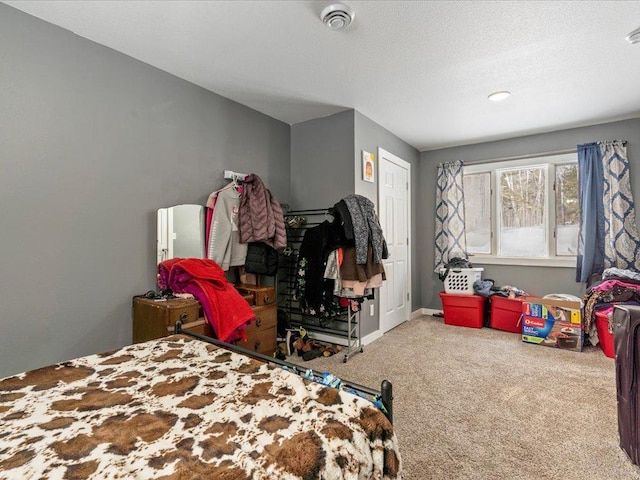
[[461, 280]]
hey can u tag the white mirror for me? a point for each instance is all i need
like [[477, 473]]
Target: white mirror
[[181, 232]]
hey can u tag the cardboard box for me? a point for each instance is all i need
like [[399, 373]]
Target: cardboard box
[[553, 323]]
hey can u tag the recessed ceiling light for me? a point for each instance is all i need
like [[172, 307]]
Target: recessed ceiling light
[[499, 96], [337, 16], [633, 37]]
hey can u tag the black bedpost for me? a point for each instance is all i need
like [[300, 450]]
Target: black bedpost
[[177, 328], [386, 390]]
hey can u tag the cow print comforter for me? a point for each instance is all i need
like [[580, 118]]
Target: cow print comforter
[[179, 408]]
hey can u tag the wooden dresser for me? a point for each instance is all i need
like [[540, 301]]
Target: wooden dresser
[[154, 319], [261, 334]]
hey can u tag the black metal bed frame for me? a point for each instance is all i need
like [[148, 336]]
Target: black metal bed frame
[[386, 389]]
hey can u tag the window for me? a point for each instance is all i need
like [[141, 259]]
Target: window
[[477, 195], [523, 211], [567, 211]]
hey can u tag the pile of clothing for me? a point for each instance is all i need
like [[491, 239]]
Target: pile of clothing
[[225, 309], [340, 262], [617, 286], [239, 215], [487, 288]]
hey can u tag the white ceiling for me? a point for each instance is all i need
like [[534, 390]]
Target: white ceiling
[[421, 69]]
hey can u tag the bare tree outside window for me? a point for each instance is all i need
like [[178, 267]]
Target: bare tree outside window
[[522, 212], [567, 211]]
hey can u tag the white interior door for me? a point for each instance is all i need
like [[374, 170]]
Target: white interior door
[[394, 182]]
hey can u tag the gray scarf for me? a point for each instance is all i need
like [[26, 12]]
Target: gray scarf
[[366, 227]]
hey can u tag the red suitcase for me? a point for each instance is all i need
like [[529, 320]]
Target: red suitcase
[[626, 321]]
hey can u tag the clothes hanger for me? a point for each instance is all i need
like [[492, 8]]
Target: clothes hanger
[[236, 185]]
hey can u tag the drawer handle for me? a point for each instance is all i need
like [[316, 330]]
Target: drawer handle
[[266, 299], [184, 316], [258, 322], [256, 345]]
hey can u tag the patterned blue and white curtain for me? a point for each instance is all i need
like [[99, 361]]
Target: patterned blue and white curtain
[[450, 238], [608, 233]]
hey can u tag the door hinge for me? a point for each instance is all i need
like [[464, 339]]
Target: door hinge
[[407, 240], [407, 185], [407, 295]]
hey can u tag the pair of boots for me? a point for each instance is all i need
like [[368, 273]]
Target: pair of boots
[[300, 342], [292, 337], [308, 348]]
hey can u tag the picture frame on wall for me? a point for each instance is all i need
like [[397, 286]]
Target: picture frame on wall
[[368, 167]]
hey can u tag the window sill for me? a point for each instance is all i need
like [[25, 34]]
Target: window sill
[[569, 262]]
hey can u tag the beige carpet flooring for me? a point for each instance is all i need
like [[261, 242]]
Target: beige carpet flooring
[[480, 404]]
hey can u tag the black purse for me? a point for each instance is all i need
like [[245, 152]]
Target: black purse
[[261, 259]]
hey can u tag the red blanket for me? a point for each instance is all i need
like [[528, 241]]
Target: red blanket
[[225, 309], [164, 269]]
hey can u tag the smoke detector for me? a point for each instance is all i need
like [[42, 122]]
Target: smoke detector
[[337, 16]]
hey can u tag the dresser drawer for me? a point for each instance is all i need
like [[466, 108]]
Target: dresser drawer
[[261, 341], [266, 317], [153, 319], [261, 334], [262, 295]]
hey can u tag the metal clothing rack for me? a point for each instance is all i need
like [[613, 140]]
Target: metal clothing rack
[[342, 328]]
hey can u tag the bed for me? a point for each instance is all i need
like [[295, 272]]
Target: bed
[[181, 407]]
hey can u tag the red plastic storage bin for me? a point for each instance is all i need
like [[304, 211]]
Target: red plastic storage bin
[[506, 313], [605, 337], [463, 310]]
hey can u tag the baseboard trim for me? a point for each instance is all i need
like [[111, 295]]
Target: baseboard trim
[[336, 340], [367, 339], [425, 311], [417, 313]]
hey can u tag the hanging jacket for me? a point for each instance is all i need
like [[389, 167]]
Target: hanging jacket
[[224, 239], [343, 217], [350, 270], [366, 228], [260, 218], [313, 292]]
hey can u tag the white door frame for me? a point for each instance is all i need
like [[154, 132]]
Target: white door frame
[[384, 155]]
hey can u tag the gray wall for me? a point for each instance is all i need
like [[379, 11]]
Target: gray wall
[[322, 161], [536, 280], [370, 136], [326, 164], [92, 143]]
